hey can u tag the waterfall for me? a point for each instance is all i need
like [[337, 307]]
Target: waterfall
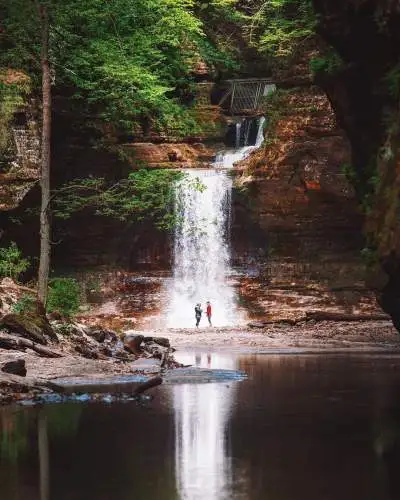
[[238, 128], [201, 265], [227, 158], [201, 251]]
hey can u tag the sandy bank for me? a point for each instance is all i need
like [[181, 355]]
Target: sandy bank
[[322, 335]]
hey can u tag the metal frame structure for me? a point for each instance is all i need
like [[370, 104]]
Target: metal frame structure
[[246, 94]]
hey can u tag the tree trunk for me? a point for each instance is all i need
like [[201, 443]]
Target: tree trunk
[[44, 264]]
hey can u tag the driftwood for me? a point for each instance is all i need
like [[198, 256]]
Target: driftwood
[[152, 382], [20, 344]]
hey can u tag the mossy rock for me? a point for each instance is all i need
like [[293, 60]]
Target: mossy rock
[[31, 326]]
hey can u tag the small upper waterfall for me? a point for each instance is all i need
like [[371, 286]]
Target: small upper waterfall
[[201, 266], [228, 157]]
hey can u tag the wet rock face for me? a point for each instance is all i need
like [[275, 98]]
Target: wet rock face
[[366, 35], [170, 155], [297, 227]]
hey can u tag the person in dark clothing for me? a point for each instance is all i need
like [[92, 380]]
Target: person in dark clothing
[[208, 312], [198, 312]]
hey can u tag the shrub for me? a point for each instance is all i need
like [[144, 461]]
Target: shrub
[[12, 264], [26, 304], [330, 63], [64, 296]]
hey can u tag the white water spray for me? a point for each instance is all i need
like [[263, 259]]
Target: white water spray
[[201, 251], [201, 265], [228, 157]]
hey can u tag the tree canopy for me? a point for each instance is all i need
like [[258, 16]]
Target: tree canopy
[[121, 59]]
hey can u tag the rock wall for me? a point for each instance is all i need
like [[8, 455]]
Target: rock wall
[[19, 138], [364, 91], [304, 226]]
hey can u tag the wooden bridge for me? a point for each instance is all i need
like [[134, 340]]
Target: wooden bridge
[[244, 96]]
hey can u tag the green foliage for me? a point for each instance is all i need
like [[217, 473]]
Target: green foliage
[[329, 64], [223, 23], [392, 80], [12, 264], [64, 329], [146, 195], [26, 304], [121, 60], [64, 296], [349, 172], [279, 27], [275, 106], [370, 256]]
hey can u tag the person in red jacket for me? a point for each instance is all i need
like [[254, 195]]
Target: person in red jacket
[[208, 312]]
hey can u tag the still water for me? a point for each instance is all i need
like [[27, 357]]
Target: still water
[[299, 428]]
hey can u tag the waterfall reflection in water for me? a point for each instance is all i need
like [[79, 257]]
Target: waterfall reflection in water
[[303, 427], [202, 465]]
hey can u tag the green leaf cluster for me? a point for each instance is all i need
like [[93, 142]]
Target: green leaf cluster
[[392, 80], [26, 304], [329, 63], [122, 59], [64, 296], [145, 195], [279, 27], [12, 263]]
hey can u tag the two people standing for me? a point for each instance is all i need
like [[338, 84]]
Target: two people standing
[[198, 312]]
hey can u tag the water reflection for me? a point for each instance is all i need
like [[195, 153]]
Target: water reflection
[[203, 467], [301, 427], [44, 462]]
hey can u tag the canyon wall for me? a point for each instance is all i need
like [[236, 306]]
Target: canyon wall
[[364, 90], [302, 215]]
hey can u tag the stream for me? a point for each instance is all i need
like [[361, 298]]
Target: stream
[[304, 427]]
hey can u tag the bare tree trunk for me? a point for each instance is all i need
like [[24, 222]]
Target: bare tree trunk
[[44, 264]]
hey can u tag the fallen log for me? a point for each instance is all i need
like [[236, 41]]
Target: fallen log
[[319, 316], [152, 382], [336, 316], [20, 344]]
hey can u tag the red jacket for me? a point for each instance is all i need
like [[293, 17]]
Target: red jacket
[[209, 310]]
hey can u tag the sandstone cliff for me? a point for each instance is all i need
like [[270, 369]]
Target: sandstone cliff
[[364, 91]]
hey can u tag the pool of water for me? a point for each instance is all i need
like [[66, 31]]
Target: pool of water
[[300, 427]]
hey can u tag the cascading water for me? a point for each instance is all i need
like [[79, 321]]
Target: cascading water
[[226, 159], [201, 251], [201, 265]]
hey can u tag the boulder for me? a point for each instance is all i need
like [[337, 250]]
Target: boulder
[[156, 350], [86, 352], [163, 341], [16, 367], [132, 343]]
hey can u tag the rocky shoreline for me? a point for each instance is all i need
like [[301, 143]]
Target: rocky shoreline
[[149, 354]]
